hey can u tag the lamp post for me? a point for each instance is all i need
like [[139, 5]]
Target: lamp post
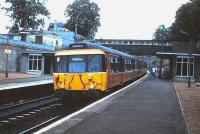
[[190, 55], [7, 51], [162, 50], [189, 71]]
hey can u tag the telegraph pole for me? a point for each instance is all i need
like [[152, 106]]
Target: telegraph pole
[[6, 73], [75, 32], [189, 54], [7, 50]]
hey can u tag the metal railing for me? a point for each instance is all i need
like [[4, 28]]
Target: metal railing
[[142, 43]]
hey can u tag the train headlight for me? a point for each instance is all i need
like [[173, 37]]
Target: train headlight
[[92, 85]]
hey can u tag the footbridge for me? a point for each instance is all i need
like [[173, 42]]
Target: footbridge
[[137, 47]]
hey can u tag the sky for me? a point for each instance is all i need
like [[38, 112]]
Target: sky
[[120, 19]]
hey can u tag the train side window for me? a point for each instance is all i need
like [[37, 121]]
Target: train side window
[[121, 64], [125, 65], [128, 64], [133, 64], [117, 64], [112, 64], [136, 65]]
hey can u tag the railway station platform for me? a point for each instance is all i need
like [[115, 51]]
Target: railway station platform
[[150, 106], [17, 80]]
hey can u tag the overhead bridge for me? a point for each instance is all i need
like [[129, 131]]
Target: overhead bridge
[[137, 47]]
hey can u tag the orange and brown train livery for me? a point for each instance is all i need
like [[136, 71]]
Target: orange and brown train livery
[[89, 66]]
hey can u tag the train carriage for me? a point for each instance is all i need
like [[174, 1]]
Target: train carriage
[[89, 66]]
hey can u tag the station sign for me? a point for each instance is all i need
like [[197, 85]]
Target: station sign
[[8, 49]]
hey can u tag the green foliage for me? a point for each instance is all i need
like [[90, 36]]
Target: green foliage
[[86, 15], [162, 33], [26, 13], [182, 22], [187, 19]]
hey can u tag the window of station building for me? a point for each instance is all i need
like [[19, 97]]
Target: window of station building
[[125, 42], [35, 62], [182, 66], [38, 39], [109, 41]]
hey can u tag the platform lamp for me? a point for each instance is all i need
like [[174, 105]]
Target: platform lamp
[[190, 54], [6, 72]]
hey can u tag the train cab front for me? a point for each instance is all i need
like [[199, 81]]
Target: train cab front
[[79, 73]]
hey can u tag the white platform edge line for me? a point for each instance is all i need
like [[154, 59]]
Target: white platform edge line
[[182, 110], [27, 84], [86, 108]]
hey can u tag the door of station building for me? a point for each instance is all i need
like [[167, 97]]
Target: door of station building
[[48, 65]]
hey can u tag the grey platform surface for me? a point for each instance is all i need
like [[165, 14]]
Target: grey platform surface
[[151, 107], [24, 82]]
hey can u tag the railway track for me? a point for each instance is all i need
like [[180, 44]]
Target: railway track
[[32, 119], [14, 118]]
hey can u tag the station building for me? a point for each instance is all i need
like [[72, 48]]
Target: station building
[[177, 61], [32, 51]]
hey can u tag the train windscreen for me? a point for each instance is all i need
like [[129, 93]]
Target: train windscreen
[[79, 63]]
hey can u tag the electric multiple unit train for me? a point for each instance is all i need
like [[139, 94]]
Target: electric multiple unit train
[[89, 66]]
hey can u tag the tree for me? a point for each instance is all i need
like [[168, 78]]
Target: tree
[[182, 22], [26, 13], [162, 33], [187, 18], [85, 15]]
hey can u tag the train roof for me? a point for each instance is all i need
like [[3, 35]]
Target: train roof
[[88, 45]]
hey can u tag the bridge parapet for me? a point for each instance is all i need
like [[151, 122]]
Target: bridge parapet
[[140, 49], [133, 42]]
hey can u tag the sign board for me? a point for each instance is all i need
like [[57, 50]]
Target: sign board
[[7, 47], [8, 51]]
